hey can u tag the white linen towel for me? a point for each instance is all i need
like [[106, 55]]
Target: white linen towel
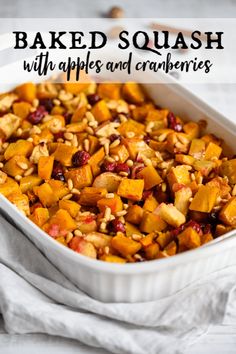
[[36, 298]]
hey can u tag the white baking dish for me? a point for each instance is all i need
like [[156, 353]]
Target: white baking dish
[[150, 280]]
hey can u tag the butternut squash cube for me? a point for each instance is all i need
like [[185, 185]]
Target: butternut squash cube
[[40, 216], [205, 198], [93, 144], [59, 188], [72, 207], [21, 109], [151, 177], [101, 112], [135, 214], [81, 177], [152, 223], [220, 183], [178, 174], [64, 153], [95, 160], [113, 259], [189, 238], [171, 248], [205, 238], [91, 195], [164, 238], [26, 92], [125, 246], [185, 159], [27, 183], [228, 169], [12, 166], [45, 166], [109, 90], [150, 203], [9, 187], [130, 230], [151, 251], [121, 152], [133, 93], [197, 149], [135, 146], [147, 240], [212, 151], [21, 201], [205, 167], [78, 114], [131, 126], [20, 147], [63, 219], [131, 189], [170, 214], [46, 195], [182, 197], [228, 212], [192, 129], [115, 204]]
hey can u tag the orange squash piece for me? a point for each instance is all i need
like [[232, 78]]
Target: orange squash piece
[[45, 166], [9, 187], [121, 152], [21, 109], [151, 177], [95, 160], [64, 153], [81, 177], [20, 147], [189, 238], [135, 214], [46, 195], [12, 166], [109, 90], [40, 216], [72, 207], [125, 246], [91, 195], [101, 111], [27, 183], [26, 92], [131, 189], [151, 223], [205, 198], [115, 204], [228, 212], [63, 219], [133, 93]]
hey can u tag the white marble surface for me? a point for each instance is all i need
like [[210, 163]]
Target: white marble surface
[[220, 339]]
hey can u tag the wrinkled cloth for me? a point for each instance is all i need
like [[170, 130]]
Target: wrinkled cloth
[[37, 298]]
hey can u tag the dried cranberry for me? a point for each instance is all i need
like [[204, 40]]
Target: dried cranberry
[[175, 232], [80, 158], [58, 171], [59, 135], [47, 103], [36, 116], [114, 137], [147, 139], [194, 225], [116, 119], [146, 194], [108, 166], [122, 167], [173, 124], [93, 98], [67, 117], [207, 229], [116, 226]]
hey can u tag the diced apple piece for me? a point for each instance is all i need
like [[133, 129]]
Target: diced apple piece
[[12, 166], [115, 204], [10, 186], [95, 160], [125, 246], [98, 239], [72, 207], [86, 223], [55, 124], [182, 197], [113, 259], [228, 169], [9, 124], [45, 166], [189, 238], [197, 148], [20, 147], [151, 177], [205, 198], [135, 214], [150, 203], [121, 152], [108, 180], [91, 195], [21, 201], [101, 111], [78, 244], [3, 177], [40, 216], [205, 167], [81, 177], [170, 214], [131, 189], [151, 223], [228, 212], [64, 153], [212, 151], [133, 92], [178, 174], [27, 183]]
